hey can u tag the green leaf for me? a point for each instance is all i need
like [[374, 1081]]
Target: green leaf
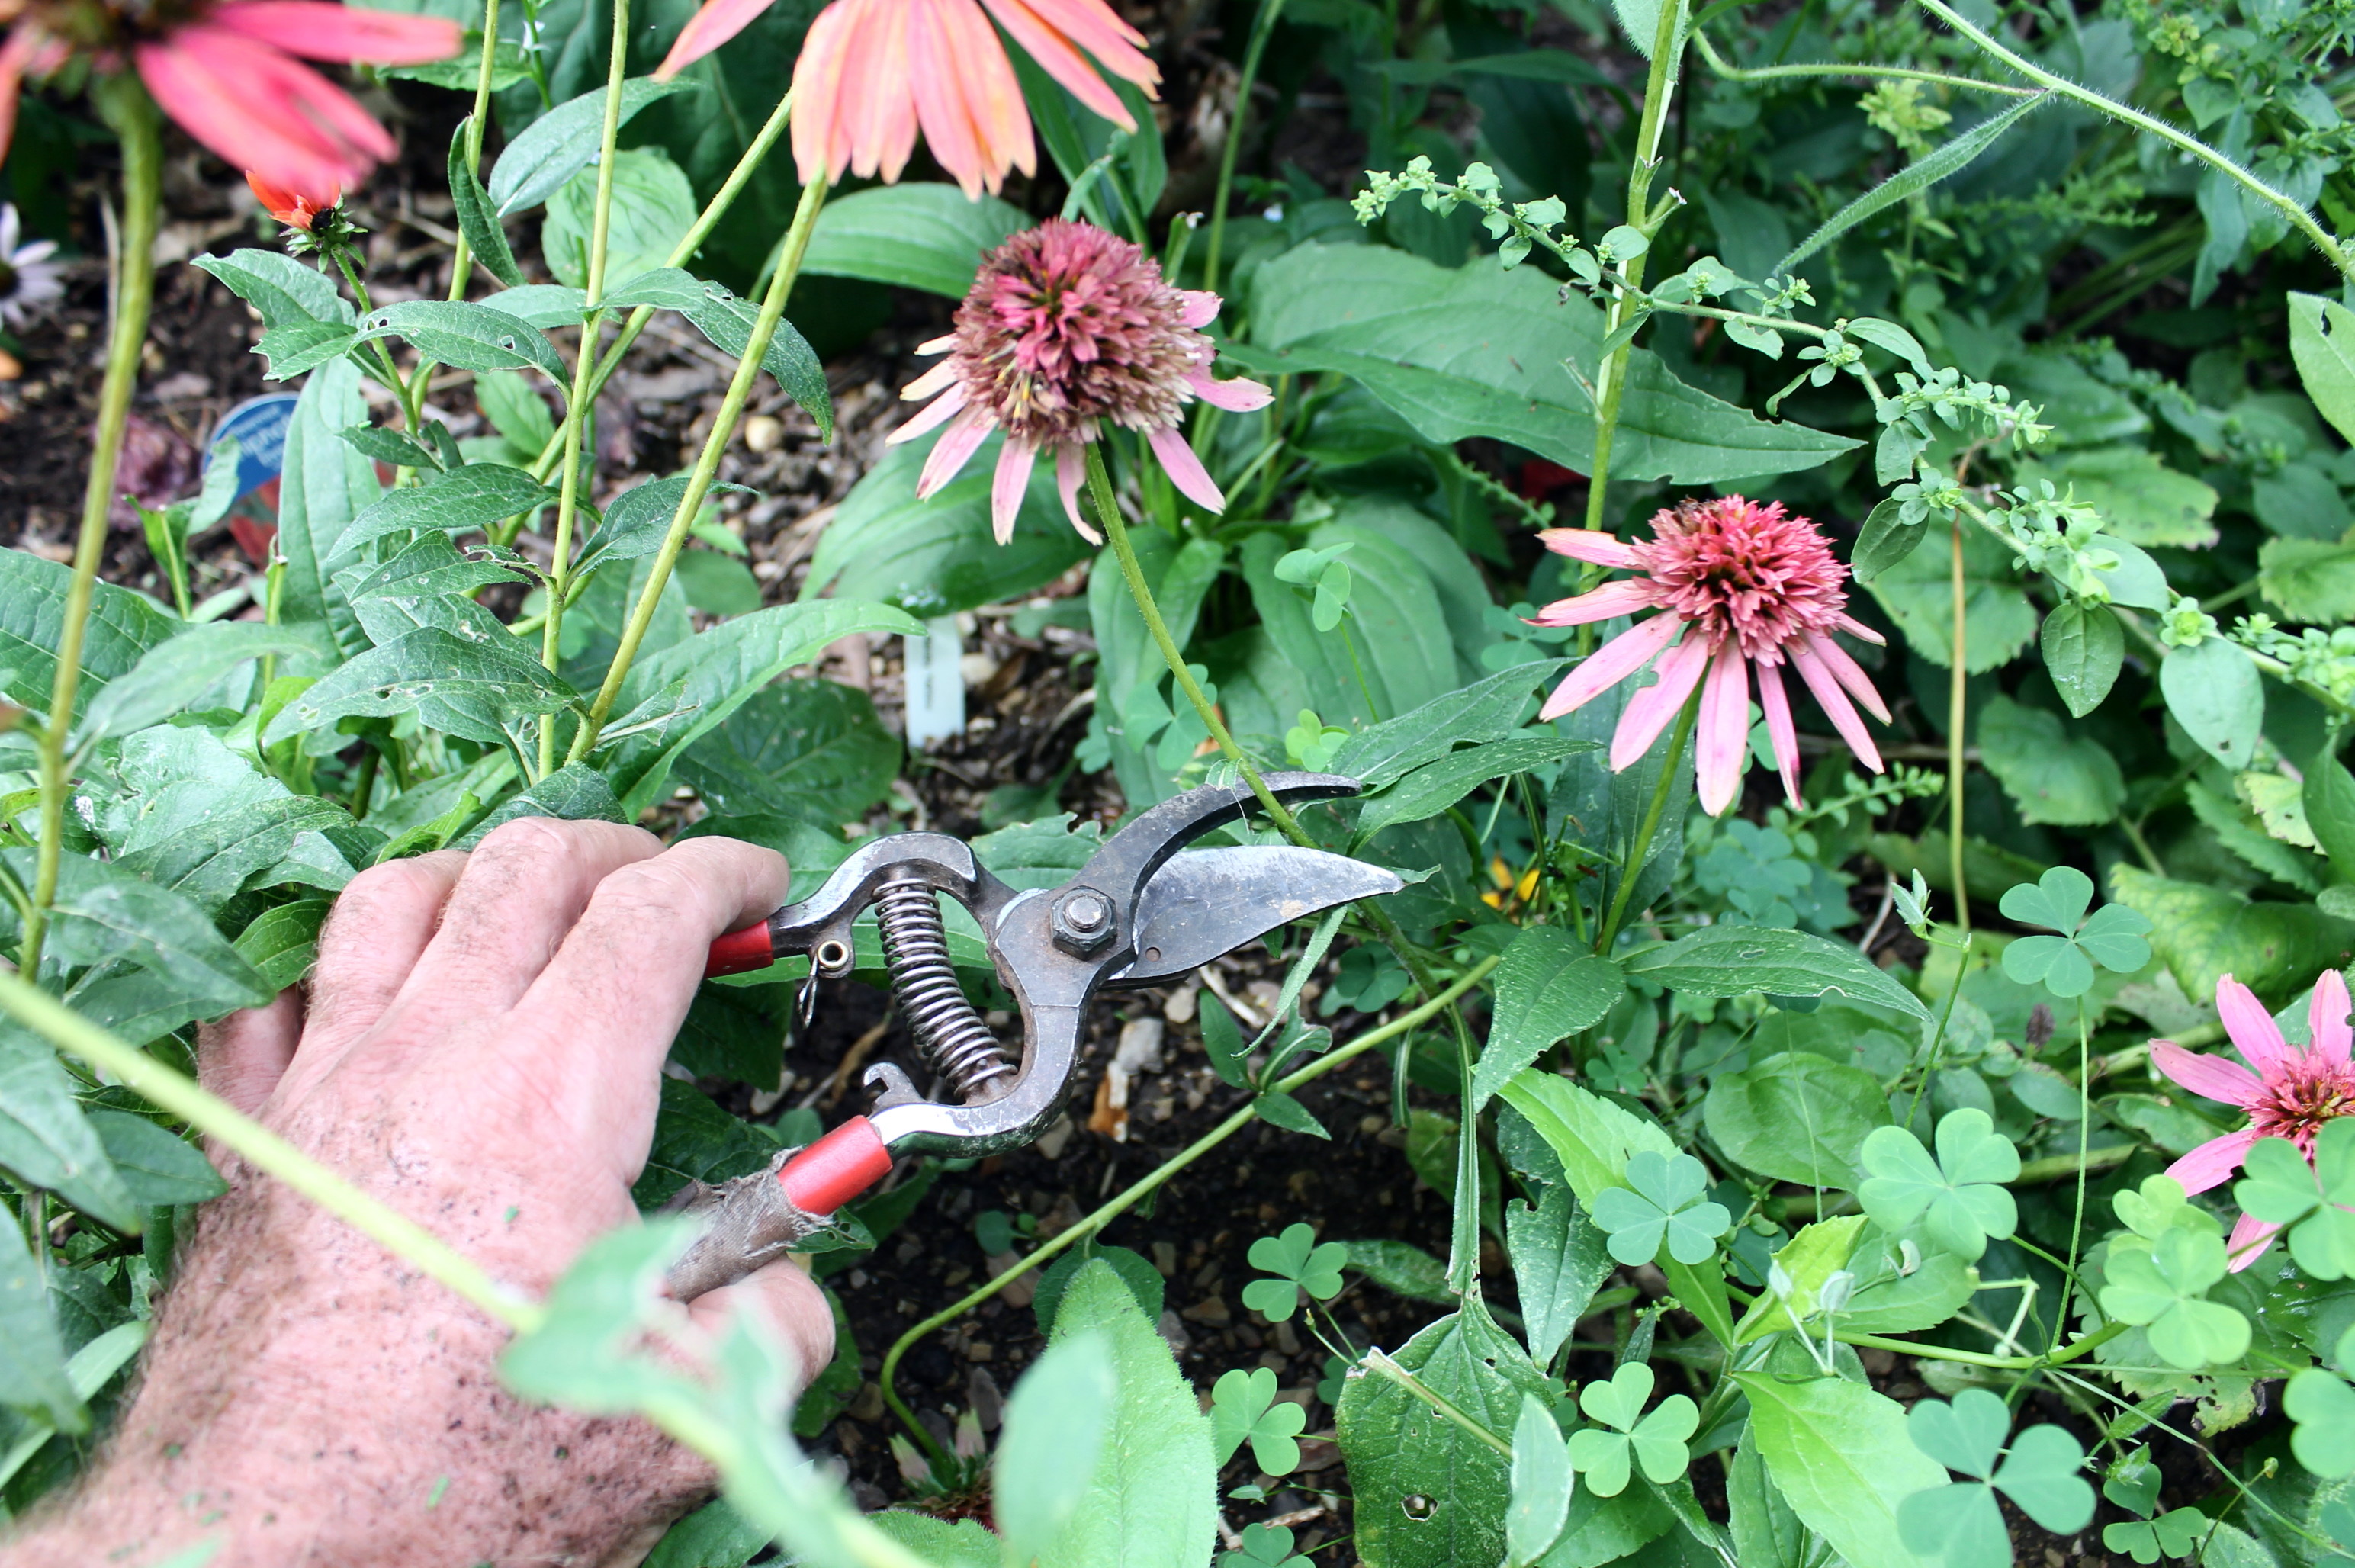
[[282, 943], [474, 496], [159, 1170], [1661, 1204], [1299, 1263], [2214, 693], [47, 1140], [2113, 938], [1965, 1435], [1591, 1136], [1222, 1042], [1655, 1442], [2204, 933], [1560, 1259], [1402, 1269], [301, 347], [917, 236], [2320, 345], [1797, 1116], [563, 142], [121, 628], [2051, 775], [1960, 1196], [468, 335], [1489, 709], [573, 793], [32, 1367], [1885, 539], [1279, 1109], [2309, 580], [2323, 1406], [1483, 351], [716, 1536], [1950, 158], [450, 684], [652, 211], [476, 221], [1397, 1446], [727, 322], [801, 747], [104, 914], [1997, 619], [2164, 1288], [325, 485], [2083, 649], [1398, 629], [1243, 1409], [282, 289], [1543, 1483], [176, 672], [1739, 961], [1433, 788], [1957, 1524], [1766, 1533], [2044, 1475], [1057, 1421], [1547, 988], [1798, 1274], [1841, 1457]]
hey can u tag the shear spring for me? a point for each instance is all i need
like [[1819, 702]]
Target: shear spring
[[950, 1034]]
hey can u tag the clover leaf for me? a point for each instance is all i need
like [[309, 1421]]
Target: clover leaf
[[1655, 1442], [2323, 1406], [1303, 1264], [2175, 1533], [1243, 1409], [1958, 1195], [1960, 1521], [2161, 1206], [2063, 963], [1263, 1546], [2163, 1288], [1312, 743], [1662, 1201], [2316, 1201], [2133, 1483]]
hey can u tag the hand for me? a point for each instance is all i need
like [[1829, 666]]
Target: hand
[[480, 1047]]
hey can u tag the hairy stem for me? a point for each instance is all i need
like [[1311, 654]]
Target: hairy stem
[[1639, 852], [1957, 715], [126, 107], [1263, 26], [706, 466], [462, 258], [1720, 66]]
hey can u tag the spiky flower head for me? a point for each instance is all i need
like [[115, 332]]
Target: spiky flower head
[[1744, 569]]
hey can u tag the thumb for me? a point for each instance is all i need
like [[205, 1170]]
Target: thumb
[[787, 1301]]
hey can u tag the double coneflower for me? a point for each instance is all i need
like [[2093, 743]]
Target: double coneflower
[[229, 73]]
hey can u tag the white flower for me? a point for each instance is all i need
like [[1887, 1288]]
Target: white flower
[[29, 280]]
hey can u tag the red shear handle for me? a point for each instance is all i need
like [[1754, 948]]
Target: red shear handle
[[741, 951], [837, 1168]]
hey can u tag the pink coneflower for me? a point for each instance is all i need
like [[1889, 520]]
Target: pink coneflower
[[872, 71], [2292, 1094], [29, 280], [1749, 586], [1068, 326], [227, 73]]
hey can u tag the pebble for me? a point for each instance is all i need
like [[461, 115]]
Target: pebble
[[765, 433], [1212, 1311]]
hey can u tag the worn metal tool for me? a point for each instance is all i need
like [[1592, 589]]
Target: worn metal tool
[[1143, 910]]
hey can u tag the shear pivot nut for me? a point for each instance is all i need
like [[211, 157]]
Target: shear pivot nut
[[1083, 921]]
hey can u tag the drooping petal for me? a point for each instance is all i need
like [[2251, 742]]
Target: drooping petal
[[930, 418], [1012, 482], [1588, 545], [1648, 711], [821, 147], [1043, 42], [2251, 1239], [940, 345], [1858, 630], [1186, 470], [958, 444], [940, 378], [1097, 28], [880, 112], [1623, 597], [937, 69], [320, 31], [1848, 673], [2327, 1021], [258, 109], [2211, 1076], [1071, 473], [2252, 1029], [1781, 730], [15, 51], [1835, 704], [1609, 665], [1201, 307], [2213, 1162], [1238, 395], [718, 21], [1722, 730]]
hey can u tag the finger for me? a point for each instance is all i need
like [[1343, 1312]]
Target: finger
[[522, 888], [612, 998], [785, 1300], [242, 1057], [380, 924]]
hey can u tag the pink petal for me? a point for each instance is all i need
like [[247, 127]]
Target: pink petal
[[1071, 473], [1649, 711], [2251, 1027], [821, 147], [937, 76], [258, 109], [2213, 1162], [1201, 308], [2250, 1240], [941, 345], [713, 25], [1013, 481], [956, 445], [15, 54], [1186, 470], [1588, 545], [319, 31], [929, 418], [1779, 729], [1723, 728], [2211, 1076], [1609, 665], [1623, 597], [1238, 395], [1848, 673], [1858, 629], [1835, 704], [939, 379], [2327, 1021], [879, 116], [1056, 56], [1097, 28]]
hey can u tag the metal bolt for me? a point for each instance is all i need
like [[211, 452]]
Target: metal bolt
[[1082, 921], [1085, 912]]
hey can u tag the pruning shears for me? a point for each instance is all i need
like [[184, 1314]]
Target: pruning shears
[[1143, 910]]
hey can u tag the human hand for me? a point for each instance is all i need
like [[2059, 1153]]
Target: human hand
[[480, 1047]]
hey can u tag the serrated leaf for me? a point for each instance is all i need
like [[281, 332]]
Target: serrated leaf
[[1547, 988], [563, 142], [474, 496], [452, 684], [1739, 961], [282, 288], [1560, 1259], [808, 747], [476, 220], [123, 626]]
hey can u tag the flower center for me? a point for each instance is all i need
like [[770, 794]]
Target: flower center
[[2305, 1096], [1744, 569]]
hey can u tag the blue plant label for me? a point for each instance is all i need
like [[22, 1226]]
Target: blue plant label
[[258, 427]]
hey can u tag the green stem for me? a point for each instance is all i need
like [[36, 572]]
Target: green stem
[[126, 107], [1938, 1040], [2084, 1132], [1151, 1183], [2084, 1347], [1263, 26], [1380, 1363], [1640, 850], [1610, 376], [579, 407], [462, 260], [1957, 716], [706, 466], [266, 1151], [2297, 215], [1723, 67]]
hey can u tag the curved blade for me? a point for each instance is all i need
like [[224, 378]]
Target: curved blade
[[1126, 864], [1205, 902]]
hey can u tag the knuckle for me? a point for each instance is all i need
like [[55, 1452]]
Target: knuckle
[[530, 839], [659, 886]]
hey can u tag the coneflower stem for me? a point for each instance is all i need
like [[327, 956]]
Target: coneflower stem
[[1957, 713], [1639, 852], [1263, 26], [706, 466], [125, 106], [462, 258]]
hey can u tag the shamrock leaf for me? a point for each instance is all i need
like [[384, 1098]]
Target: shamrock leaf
[[1312, 743], [1335, 1378], [1244, 1408], [1662, 1201], [1960, 1521], [2323, 1406], [1264, 1546], [1655, 1442], [2175, 1533], [2133, 1483], [2113, 938], [2161, 1206], [1958, 1194], [1303, 1264], [2315, 1201], [2165, 1289]]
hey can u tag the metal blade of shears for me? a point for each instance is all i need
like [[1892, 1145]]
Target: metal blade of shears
[[1202, 903]]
